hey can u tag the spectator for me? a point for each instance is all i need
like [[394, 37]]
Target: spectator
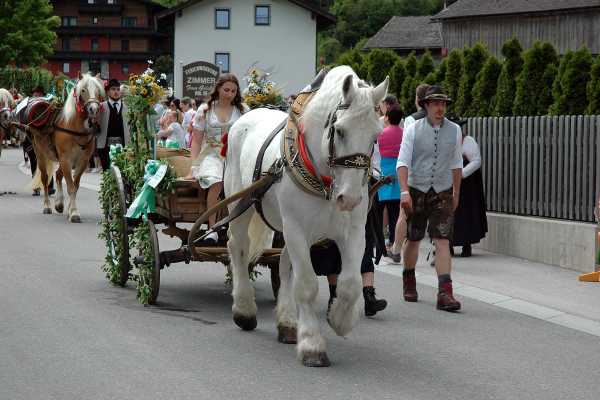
[[470, 221], [174, 130], [389, 195]]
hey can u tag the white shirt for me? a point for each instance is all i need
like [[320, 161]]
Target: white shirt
[[188, 117], [470, 151], [408, 121], [176, 133], [113, 103]]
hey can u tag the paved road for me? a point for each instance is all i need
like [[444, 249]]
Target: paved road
[[67, 334]]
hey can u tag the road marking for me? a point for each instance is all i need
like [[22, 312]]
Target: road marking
[[537, 311]]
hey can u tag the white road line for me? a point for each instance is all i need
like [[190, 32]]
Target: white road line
[[547, 314]]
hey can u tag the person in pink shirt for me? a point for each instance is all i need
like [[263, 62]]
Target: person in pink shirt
[[389, 141]]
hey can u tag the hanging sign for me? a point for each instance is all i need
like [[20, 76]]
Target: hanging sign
[[199, 78]]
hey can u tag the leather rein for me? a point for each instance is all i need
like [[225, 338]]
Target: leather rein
[[80, 109]]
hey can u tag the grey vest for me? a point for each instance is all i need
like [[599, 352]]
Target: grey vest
[[434, 156]]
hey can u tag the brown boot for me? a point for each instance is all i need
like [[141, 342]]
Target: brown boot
[[446, 300], [410, 286]]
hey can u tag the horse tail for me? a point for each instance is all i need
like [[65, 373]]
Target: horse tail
[[36, 182], [260, 235]]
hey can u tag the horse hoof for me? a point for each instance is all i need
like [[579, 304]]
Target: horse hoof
[[246, 323], [286, 335], [76, 219], [315, 360], [47, 210], [59, 208]]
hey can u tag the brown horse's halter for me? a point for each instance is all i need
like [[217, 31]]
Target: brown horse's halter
[[81, 108]]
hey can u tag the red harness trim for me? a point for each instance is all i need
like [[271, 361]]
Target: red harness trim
[[327, 180], [79, 108]]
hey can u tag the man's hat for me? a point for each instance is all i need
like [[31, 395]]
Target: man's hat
[[113, 83], [436, 93]]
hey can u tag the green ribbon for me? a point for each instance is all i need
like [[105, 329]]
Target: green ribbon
[[169, 144], [115, 149], [145, 202]]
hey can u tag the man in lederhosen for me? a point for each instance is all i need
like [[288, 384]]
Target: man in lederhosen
[[113, 123], [430, 172]]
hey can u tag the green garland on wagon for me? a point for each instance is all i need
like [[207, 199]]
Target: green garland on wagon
[[143, 93]]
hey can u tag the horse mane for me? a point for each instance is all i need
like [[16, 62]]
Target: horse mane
[[6, 99], [95, 91]]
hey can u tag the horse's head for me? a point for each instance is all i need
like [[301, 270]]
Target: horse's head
[[6, 117], [87, 97], [350, 134]]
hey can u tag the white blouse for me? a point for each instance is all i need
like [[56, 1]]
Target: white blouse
[[470, 150]]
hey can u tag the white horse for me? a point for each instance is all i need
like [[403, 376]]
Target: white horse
[[7, 104], [349, 105]]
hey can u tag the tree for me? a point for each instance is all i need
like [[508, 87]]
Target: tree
[[329, 49], [533, 95], [484, 91], [397, 76], [379, 63], [440, 72], [407, 91], [593, 89], [570, 98], [354, 59], [511, 67], [425, 66], [453, 73], [26, 32], [474, 58], [557, 84]]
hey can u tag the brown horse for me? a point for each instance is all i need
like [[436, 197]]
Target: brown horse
[[70, 141]]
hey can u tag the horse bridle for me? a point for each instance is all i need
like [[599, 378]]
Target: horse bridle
[[355, 160]]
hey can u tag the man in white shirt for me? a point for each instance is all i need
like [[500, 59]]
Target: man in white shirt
[[113, 123], [430, 171]]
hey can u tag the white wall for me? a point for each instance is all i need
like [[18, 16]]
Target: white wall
[[288, 45]]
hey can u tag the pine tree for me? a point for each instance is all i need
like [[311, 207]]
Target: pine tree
[[593, 89], [425, 66], [26, 32], [407, 91], [452, 79], [380, 62], [511, 68], [569, 98], [397, 76], [474, 58], [440, 72], [354, 59], [534, 94], [557, 84], [484, 91]]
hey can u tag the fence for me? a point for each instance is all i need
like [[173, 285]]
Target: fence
[[546, 166]]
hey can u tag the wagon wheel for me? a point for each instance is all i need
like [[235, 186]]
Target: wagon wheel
[[147, 262], [116, 231]]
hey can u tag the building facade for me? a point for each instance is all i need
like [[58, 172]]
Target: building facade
[[567, 24], [115, 38], [278, 36]]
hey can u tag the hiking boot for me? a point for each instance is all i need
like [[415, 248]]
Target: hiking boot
[[410, 287], [372, 304], [446, 300]]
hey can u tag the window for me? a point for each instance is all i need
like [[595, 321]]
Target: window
[[69, 21], [262, 15], [125, 45], [111, 1], [95, 20], [95, 67], [66, 44], [94, 44], [91, 1], [125, 69], [128, 22], [222, 61], [66, 68], [222, 18]]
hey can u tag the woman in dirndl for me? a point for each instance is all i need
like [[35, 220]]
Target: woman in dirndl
[[470, 220], [211, 123]]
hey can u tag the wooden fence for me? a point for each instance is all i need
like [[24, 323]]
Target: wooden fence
[[546, 166]]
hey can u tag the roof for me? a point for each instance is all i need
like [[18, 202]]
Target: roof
[[407, 33], [472, 8], [323, 17]]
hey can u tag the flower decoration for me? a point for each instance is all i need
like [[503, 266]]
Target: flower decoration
[[261, 91]]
